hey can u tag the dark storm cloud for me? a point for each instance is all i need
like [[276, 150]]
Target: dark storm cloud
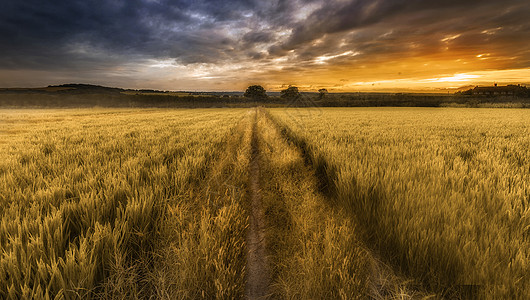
[[99, 34], [43, 32], [48, 34], [37, 33]]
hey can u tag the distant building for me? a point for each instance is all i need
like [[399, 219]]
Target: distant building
[[509, 90]]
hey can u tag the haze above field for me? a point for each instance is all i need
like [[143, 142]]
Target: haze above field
[[344, 46]]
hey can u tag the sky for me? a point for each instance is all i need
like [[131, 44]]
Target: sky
[[215, 45]]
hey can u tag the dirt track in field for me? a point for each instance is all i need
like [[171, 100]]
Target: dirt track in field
[[258, 276]]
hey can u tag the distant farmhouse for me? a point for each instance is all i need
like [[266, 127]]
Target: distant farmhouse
[[508, 90]]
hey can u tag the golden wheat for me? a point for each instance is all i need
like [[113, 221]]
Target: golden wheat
[[86, 197], [444, 193], [153, 203]]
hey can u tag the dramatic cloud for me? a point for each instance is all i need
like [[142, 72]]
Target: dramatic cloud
[[224, 45]]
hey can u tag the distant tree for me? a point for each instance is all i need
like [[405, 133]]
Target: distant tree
[[322, 93], [256, 92], [290, 93]]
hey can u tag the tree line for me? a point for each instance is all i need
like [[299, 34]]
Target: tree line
[[257, 92]]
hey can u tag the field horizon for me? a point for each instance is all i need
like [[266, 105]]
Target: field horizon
[[87, 96]]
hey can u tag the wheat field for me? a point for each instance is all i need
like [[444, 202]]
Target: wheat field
[[97, 203], [442, 193], [381, 203]]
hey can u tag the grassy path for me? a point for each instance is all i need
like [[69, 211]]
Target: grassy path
[[312, 251], [315, 246]]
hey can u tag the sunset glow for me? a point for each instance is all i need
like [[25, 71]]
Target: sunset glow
[[345, 46]]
